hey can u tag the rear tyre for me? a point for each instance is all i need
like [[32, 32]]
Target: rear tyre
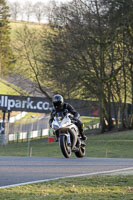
[[66, 150], [81, 152]]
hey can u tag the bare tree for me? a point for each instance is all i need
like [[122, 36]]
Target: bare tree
[[52, 5], [27, 50], [22, 12], [28, 9], [40, 10], [14, 8], [83, 42]]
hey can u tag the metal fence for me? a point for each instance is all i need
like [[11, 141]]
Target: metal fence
[[26, 128]]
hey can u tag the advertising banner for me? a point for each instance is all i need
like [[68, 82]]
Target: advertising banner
[[24, 103]]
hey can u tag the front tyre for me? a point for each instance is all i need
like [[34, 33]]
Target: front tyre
[[81, 152], [66, 150]]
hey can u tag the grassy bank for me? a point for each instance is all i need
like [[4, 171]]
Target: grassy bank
[[8, 88], [85, 188], [110, 145]]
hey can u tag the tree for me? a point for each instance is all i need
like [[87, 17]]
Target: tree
[[60, 77], [39, 10], [85, 51], [28, 9], [89, 43], [82, 48], [121, 17], [14, 9], [27, 53], [6, 56]]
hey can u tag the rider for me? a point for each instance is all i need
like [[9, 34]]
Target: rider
[[59, 105]]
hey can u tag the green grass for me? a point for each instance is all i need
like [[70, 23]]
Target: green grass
[[89, 121], [7, 88], [19, 25], [85, 188], [110, 145], [40, 147]]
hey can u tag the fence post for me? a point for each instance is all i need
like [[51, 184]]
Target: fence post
[[29, 135], [3, 136], [28, 144]]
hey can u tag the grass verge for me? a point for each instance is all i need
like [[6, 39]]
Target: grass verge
[[6, 88], [109, 145], [89, 120], [83, 188]]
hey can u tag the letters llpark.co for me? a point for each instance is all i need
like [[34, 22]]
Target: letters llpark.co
[[28, 104]]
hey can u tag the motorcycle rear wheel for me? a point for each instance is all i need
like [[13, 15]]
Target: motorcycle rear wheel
[[66, 150], [81, 152]]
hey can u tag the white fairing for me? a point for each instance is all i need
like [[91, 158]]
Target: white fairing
[[64, 122]]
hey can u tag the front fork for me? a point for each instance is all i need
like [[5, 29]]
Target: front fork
[[68, 138]]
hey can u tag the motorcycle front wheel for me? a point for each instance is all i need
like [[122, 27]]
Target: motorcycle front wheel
[[66, 150]]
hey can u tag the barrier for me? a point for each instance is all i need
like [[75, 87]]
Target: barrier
[[25, 135], [51, 139]]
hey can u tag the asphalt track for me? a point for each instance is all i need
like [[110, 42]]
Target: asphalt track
[[23, 170]]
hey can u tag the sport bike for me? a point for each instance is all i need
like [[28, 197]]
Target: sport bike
[[67, 133]]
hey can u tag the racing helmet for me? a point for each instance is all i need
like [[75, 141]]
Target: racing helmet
[[58, 101]]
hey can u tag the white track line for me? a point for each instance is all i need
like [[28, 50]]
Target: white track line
[[72, 176]]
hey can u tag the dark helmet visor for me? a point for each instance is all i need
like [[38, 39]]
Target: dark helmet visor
[[57, 104]]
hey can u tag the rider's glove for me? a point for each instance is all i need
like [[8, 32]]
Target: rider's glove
[[75, 118]]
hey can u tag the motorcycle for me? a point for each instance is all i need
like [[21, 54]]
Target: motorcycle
[[67, 133]]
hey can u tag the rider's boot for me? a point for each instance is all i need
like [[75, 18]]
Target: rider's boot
[[83, 136], [56, 139]]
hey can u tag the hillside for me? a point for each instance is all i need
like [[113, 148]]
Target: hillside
[[9, 89], [17, 83], [19, 24], [25, 84]]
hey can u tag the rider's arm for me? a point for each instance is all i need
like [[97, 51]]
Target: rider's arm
[[52, 117], [72, 111]]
